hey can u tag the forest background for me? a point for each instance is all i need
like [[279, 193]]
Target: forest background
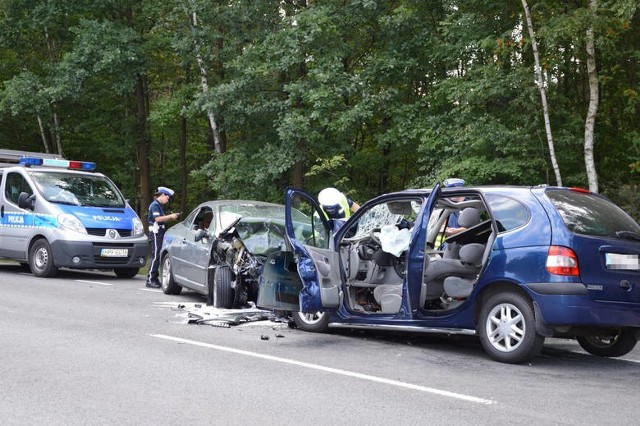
[[242, 98]]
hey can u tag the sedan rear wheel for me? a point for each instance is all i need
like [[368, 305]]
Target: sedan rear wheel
[[507, 328], [316, 322], [169, 286], [612, 344]]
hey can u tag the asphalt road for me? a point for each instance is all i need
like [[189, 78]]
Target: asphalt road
[[91, 349]]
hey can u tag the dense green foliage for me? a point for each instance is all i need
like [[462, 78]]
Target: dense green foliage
[[370, 96]]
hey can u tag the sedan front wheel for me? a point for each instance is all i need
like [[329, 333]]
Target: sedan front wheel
[[220, 293]]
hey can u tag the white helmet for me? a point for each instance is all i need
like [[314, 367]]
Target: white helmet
[[333, 202]]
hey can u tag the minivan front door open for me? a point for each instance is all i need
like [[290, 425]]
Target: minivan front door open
[[308, 233]]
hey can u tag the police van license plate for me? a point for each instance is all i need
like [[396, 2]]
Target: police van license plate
[[110, 252]]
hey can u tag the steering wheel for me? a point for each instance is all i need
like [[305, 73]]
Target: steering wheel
[[375, 235]]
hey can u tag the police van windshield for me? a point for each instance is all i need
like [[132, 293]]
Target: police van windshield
[[78, 189]]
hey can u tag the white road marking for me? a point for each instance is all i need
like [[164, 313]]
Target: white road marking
[[330, 370], [153, 290], [93, 282]]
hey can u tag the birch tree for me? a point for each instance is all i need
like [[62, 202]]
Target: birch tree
[[204, 81], [543, 96], [594, 94]]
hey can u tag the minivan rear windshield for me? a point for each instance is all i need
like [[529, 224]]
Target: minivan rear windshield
[[590, 214], [78, 189]]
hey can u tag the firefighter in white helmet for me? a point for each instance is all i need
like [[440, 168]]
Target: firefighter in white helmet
[[336, 206]]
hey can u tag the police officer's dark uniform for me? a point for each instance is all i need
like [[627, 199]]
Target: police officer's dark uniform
[[157, 226]]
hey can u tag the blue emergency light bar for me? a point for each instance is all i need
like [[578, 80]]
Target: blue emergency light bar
[[87, 166]]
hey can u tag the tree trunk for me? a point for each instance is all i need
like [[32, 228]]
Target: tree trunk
[[543, 95], [184, 173], [51, 50], [204, 84], [56, 132], [143, 147], [592, 111], [43, 134]]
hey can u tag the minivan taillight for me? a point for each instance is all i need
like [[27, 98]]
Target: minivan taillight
[[562, 261]]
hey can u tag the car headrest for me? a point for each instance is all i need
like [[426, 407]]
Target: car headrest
[[469, 217], [472, 253], [451, 251]]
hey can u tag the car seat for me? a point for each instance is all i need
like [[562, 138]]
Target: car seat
[[460, 284], [389, 297], [452, 264]]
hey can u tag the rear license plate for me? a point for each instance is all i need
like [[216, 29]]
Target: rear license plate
[[114, 252], [629, 262]]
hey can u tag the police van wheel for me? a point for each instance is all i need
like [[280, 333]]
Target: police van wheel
[[41, 259], [126, 272]]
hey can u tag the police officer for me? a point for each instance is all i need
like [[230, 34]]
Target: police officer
[[453, 227], [157, 223]]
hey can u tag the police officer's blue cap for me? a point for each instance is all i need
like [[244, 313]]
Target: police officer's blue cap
[[166, 191], [453, 182]]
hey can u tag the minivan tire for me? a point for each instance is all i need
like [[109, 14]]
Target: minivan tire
[[507, 329], [613, 345], [41, 259], [317, 322]]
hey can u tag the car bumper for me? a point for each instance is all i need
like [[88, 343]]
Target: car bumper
[[576, 308], [96, 255]]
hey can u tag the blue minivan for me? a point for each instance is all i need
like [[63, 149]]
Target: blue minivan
[[529, 263]]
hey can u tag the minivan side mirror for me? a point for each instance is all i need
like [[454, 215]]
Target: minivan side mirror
[[26, 201]]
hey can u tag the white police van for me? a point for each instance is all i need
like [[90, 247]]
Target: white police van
[[58, 213]]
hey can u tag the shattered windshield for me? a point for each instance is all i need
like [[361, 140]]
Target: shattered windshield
[[261, 227], [259, 210], [376, 218], [261, 236], [77, 189]]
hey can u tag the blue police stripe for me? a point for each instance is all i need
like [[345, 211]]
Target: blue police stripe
[[28, 220]]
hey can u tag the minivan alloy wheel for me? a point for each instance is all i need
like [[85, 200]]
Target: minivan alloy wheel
[[507, 328], [316, 322]]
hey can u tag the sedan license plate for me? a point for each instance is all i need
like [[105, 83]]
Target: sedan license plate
[[109, 252], [629, 262]]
